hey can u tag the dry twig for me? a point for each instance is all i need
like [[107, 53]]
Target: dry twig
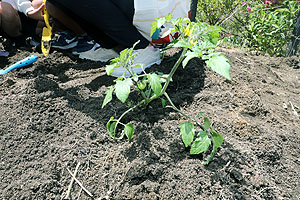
[[72, 181], [80, 184], [294, 111]]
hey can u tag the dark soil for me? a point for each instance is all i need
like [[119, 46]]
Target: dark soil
[[51, 119]]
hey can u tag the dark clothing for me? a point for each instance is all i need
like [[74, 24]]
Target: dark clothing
[[108, 22], [28, 25]]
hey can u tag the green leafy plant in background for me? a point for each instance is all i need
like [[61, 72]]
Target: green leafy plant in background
[[197, 40], [268, 27], [260, 25], [215, 12]]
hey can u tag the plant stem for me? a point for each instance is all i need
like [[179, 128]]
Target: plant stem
[[148, 100], [210, 157], [127, 111], [175, 67], [176, 109]]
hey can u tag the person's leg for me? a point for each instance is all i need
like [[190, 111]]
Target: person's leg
[[58, 14], [40, 24], [126, 6], [28, 25], [104, 21], [10, 21]]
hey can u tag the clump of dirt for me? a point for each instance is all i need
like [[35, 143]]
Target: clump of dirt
[[51, 119]]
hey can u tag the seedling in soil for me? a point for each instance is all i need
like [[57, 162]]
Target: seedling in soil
[[197, 40]]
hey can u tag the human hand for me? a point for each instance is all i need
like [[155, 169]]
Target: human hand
[[37, 13], [36, 3]]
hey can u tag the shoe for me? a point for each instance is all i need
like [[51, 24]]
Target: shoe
[[98, 53], [145, 57], [33, 42], [65, 40], [85, 43]]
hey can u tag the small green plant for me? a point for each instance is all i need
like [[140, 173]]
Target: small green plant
[[197, 40]]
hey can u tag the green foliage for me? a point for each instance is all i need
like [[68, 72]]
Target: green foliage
[[155, 83], [215, 11], [219, 64], [203, 140], [198, 40], [257, 25], [268, 28], [187, 131], [129, 131], [123, 89], [108, 96], [201, 144]]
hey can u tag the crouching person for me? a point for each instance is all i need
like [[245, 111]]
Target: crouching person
[[20, 19], [117, 24]]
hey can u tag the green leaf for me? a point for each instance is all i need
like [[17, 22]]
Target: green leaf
[[169, 17], [160, 22], [110, 126], [219, 64], [155, 84], [214, 35], [153, 28], [217, 140], [123, 55], [206, 45], [202, 134], [129, 131], [135, 77], [187, 132], [200, 145], [163, 102], [110, 68], [142, 85], [109, 122], [167, 33], [108, 96], [181, 43], [111, 130], [206, 123], [189, 55], [123, 89]]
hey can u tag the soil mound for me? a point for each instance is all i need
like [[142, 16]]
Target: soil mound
[[51, 119]]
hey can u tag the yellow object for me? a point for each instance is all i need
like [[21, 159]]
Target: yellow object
[[47, 33]]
